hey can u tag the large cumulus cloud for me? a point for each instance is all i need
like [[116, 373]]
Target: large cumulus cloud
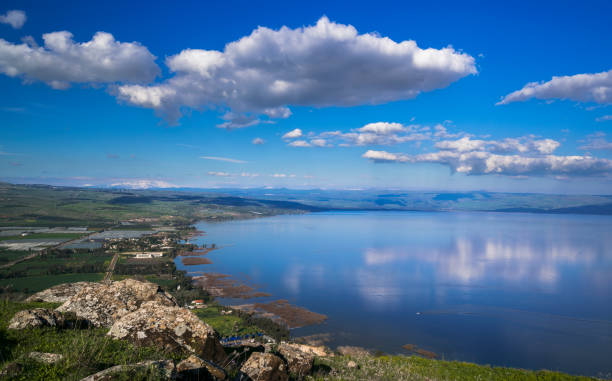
[[326, 64], [62, 61], [513, 157], [595, 88]]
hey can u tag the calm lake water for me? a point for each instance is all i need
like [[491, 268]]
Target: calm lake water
[[522, 290]]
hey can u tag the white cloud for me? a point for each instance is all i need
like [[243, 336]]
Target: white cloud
[[61, 61], [525, 144], [234, 120], [299, 143], [604, 118], [379, 133], [227, 159], [382, 128], [14, 18], [318, 142], [143, 184], [227, 174], [580, 87], [482, 163], [597, 142], [326, 64], [220, 174], [258, 141], [293, 134]]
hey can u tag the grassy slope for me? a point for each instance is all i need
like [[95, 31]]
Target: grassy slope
[[417, 368]]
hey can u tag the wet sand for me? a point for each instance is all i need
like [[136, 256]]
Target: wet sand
[[222, 286], [191, 261], [280, 310]]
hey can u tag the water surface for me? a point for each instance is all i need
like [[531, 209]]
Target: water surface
[[522, 290]]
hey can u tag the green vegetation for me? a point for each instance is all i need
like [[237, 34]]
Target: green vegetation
[[50, 236], [11, 255], [418, 368], [85, 351], [49, 206], [238, 323], [33, 284]]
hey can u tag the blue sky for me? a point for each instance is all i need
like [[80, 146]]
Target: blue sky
[[159, 100]]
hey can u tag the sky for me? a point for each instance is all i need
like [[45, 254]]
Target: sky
[[449, 96]]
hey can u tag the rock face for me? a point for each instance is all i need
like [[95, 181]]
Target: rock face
[[172, 328], [59, 293], [37, 317], [265, 367], [102, 304], [299, 359], [47, 358], [163, 369]]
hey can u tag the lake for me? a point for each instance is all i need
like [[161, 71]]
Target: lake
[[522, 290]]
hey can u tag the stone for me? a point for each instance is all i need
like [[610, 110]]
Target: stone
[[299, 361], [352, 364], [102, 304], [175, 329], [59, 293], [265, 367], [163, 369], [47, 358], [194, 368], [37, 317]]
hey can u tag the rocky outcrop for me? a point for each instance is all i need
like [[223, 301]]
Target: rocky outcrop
[[58, 294], [163, 369], [37, 317], [173, 328], [299, 360], [265, 367], [102, 304], [47, 358], [194, 368]]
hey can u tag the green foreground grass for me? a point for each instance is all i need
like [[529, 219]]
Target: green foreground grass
[[417, 368], [85, 351]]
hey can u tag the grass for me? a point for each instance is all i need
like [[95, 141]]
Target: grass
[[225, 325], [418, 368], [85, 351], [41, 282]]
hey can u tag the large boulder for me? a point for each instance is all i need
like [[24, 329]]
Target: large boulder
[[173, 328], [101, 304], [37, 317], [265, 367], [300, 358], [59, 293]]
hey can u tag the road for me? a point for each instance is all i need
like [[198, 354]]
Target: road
[[111, 268]]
